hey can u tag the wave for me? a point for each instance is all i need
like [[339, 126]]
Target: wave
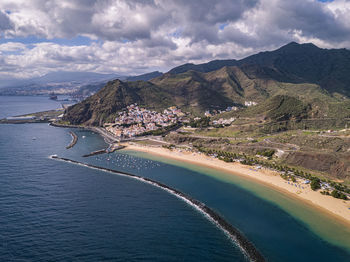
[[234, 235]]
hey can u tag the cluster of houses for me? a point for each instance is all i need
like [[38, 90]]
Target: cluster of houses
[[135, 120], [224, 122], [215, 112], [228, 109], [250, 103]]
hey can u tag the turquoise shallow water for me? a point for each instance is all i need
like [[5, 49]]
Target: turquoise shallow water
[[321, 223], [50, 210]]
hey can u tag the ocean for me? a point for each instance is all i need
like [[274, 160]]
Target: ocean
[[56, 211]]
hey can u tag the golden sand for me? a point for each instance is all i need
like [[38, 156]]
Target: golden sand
[[336, 207]]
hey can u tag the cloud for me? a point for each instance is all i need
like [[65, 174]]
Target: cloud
[[143, 35], [12, 47], [119, 20], [5, 23]]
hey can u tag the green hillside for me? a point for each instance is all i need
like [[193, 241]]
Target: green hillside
[[279, 108], [293, 82], [116, 95], [292, 63]]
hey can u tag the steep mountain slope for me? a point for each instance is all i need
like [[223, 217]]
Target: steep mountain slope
[[192, 92], [116, 95], [144, 77], [330, 68], [302, 77], [92, 88], [218, 89], [292, 63], [280, 108], [206, 67]]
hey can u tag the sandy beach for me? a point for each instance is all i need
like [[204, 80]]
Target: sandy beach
[[337, 208]]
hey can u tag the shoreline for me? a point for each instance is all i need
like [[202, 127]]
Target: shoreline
[[247, 247], [336, 208], [109, 138]]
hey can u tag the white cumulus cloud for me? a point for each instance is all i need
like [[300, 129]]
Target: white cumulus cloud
[[137, 36]]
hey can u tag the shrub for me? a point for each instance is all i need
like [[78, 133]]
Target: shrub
[[267, 152], [227, 159], [315, 184], [337, 194], [203, 122]]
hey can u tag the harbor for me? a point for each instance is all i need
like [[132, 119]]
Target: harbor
[[110, 149]]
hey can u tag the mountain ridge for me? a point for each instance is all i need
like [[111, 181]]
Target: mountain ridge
[[294, 70], [296, 63]]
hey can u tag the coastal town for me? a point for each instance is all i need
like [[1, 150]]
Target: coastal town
[[135, 121]]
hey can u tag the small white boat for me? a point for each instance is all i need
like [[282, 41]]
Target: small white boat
[[83, 136]]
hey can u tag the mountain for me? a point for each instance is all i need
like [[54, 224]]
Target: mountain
[[328, 68], [116, 95], [64, 76], [197, 92], [144, 77], [292, 63], [90, 89], [60, 82], [295, 81], [206, 67]]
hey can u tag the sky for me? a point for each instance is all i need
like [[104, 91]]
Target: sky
[[130, 37]]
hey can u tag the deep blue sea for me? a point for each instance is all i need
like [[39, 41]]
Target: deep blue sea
[[57, 211]]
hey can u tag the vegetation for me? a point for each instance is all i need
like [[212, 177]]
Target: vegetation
[[161, 131], [337, 194], [286, 172], [116, 95], [267, 153], [275, 80], [170, 147], [297, 87], [293, 63], [315, 183], [145, 77], [203, 122]]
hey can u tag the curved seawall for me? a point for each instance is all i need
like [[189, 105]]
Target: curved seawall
[[74, 140], [237, 237]]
